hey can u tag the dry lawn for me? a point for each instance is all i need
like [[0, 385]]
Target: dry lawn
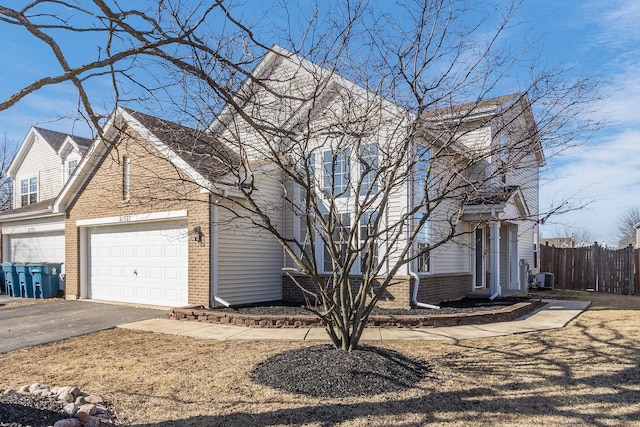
[[585, 374]]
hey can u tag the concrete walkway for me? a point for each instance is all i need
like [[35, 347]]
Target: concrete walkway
[[554, 314]]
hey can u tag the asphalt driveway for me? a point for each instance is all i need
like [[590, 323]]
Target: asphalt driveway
[[29, 325]]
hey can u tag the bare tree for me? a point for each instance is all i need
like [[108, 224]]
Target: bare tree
[[359, 122], [624, 229], [7, 151]]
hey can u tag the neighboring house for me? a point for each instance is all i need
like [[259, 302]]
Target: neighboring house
[[142, 219], [32, 232], [637, 227], [564, 242]]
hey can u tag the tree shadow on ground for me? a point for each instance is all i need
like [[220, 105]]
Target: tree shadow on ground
[[429, 409], [547, 375]]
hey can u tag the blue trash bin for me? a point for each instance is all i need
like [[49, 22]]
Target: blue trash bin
[[26, 282], [11, 280], [3, 288], [46, 279]]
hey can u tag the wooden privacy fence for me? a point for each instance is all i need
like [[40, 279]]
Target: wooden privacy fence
[[593, 268]]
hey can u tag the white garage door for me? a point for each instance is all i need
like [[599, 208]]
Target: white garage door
[[141, 263], [36, 247]]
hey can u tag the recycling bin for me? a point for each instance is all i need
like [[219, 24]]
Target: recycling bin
[[3, 288], [25, 280], [46, 279], [11, 280]]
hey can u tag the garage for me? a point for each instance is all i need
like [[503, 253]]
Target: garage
[[35, 247], [145, 263]]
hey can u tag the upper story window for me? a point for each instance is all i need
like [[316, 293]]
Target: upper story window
[[421, 170], [336, 172], [71, 166], [29, 191], [368, 169]]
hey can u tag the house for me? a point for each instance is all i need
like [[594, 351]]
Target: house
[[156, 212], [496, 243], [45, 160], [564, 242]]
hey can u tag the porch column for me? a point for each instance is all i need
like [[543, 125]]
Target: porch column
[[513, 258], [494, 248]]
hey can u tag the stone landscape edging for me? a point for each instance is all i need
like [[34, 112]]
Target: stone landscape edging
[[505, 314]]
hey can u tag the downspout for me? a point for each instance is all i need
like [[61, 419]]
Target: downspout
[[414, 296], [494, 243], [214, 257], [416, 278]]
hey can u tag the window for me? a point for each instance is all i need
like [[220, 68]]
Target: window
[[367, 224], [368, 169], [424, 259], [126, 178], [336, 172], [340, 237], [421, 169], [71, 166], [503, 159], [28, 191]]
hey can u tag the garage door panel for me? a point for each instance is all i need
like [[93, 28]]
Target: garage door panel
[[36, 247], [143, 263]]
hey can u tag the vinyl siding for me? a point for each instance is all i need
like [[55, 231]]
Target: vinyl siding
[[43, 162], [249, 258]]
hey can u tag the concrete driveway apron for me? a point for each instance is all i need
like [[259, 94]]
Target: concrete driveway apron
[[47, 322]]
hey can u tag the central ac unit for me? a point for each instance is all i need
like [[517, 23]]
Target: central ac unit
[[545, 280]]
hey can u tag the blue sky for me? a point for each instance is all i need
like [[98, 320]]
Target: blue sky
[[593, 37]]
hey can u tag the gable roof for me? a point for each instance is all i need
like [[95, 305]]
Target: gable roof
[[197, 148], [446, 119], [193, 151], [54, 139]]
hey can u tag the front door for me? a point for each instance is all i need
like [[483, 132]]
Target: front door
[[479, 271]]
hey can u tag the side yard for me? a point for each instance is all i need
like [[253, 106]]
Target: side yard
[[585, 374]]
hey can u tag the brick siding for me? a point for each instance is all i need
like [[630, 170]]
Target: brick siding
[[433, 289], [155, 186]]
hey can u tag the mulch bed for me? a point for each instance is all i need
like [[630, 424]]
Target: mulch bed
[[286, 315], [323, 371], [17, 410]]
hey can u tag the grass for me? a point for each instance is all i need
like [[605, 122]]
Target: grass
[[587, 373]]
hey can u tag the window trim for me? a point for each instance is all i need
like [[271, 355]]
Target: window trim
[[126, 178], [369, 158], [329, 182], [70, 169], [30, 194]]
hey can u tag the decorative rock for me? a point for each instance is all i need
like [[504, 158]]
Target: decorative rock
[[85, 410], [75, 391], [71, 409], [66, 397], [94, 398], [89, 408], [36, 386], [83, 416], [93, 422]]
